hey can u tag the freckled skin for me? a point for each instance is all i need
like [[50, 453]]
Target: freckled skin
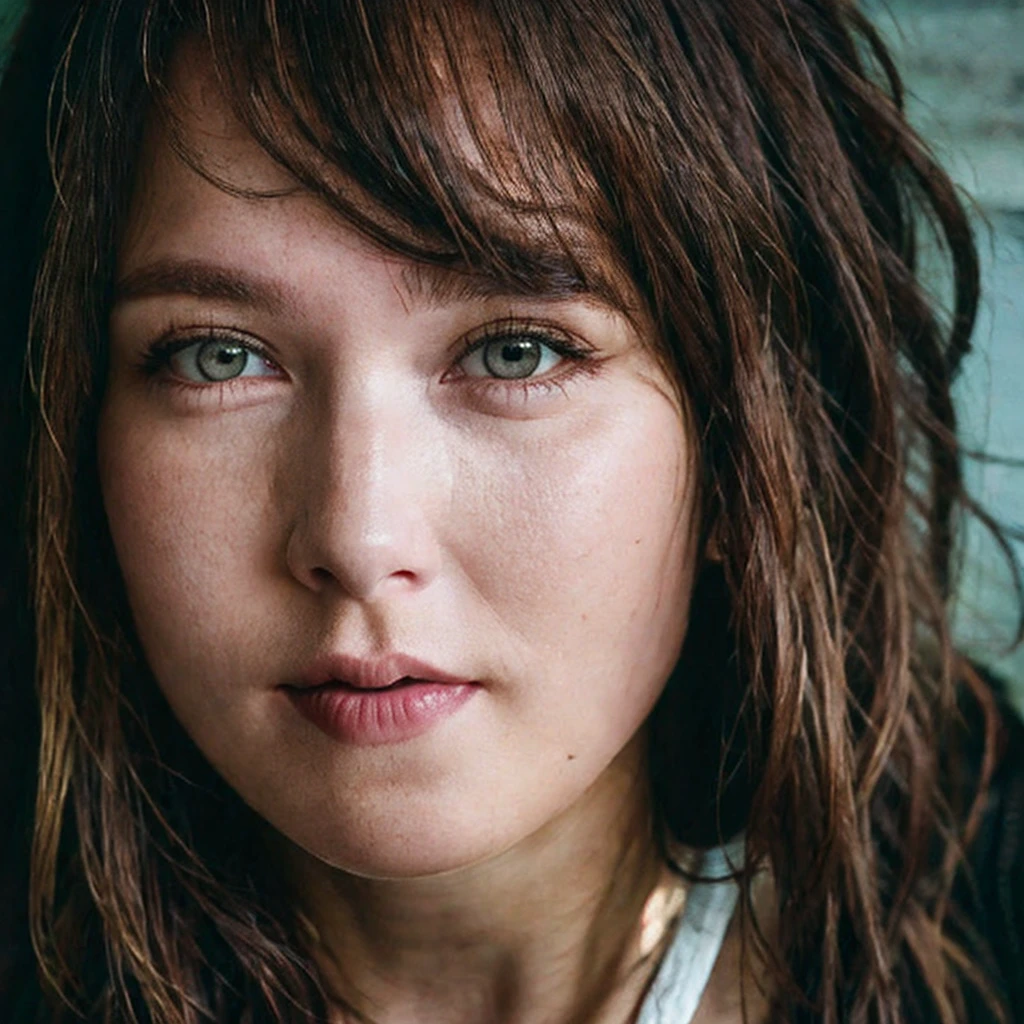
[[359, 496]]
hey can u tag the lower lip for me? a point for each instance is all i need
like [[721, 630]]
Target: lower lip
[[374, 717]]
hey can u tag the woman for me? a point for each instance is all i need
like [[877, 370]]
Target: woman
[[491, 492]]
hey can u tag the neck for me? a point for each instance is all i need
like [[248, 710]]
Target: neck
[[549, 930]]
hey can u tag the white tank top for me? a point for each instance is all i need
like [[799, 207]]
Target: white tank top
[[683, 975]]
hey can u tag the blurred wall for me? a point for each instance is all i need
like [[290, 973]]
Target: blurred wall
[[963, 65], [9, 10]]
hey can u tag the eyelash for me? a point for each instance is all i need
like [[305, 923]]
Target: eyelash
[[156, 361], [579, 357]]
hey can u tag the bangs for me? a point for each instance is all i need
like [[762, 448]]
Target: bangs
[[462, 135]]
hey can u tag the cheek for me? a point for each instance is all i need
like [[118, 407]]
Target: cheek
[[191, 524], [587, 533], [585, 569]]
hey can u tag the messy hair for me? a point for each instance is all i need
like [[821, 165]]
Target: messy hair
[[748, 173]]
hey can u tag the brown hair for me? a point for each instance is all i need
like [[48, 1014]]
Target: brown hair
[[748, 164]]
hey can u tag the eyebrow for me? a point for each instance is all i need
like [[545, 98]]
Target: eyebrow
[[546, 276], [202, 280], [543, 274]]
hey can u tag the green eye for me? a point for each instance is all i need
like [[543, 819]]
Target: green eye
[[214, 360], [513, 357], [221, 360]]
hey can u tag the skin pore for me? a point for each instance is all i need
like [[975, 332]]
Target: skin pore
[[368, 483]]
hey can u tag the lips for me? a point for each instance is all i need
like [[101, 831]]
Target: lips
[[369, 702], [354, 688], [379, 673]]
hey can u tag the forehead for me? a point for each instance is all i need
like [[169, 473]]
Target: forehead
[[521, 229]]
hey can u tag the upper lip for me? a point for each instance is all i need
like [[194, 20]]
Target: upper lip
[[371, 673]]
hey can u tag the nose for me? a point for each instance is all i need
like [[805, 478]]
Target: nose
[[366, 488]]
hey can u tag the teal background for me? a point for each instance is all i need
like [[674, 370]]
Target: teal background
[[963, 64], [9, 10]]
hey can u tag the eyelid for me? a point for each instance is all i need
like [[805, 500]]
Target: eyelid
[[156, 359], [558, 339]]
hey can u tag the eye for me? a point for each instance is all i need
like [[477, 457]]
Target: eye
[[514, 355], [214, 359]]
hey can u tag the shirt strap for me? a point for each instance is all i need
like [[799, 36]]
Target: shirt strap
[[684, 972]]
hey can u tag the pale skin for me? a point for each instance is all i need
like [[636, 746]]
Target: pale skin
[[366, 485]]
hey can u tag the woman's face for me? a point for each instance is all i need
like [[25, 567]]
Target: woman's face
[[326, 467]]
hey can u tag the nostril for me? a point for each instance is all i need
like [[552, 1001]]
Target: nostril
[[349, 551]]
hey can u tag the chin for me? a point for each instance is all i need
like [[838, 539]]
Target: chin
[[384, 862], [414, 849], [408, 865]]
